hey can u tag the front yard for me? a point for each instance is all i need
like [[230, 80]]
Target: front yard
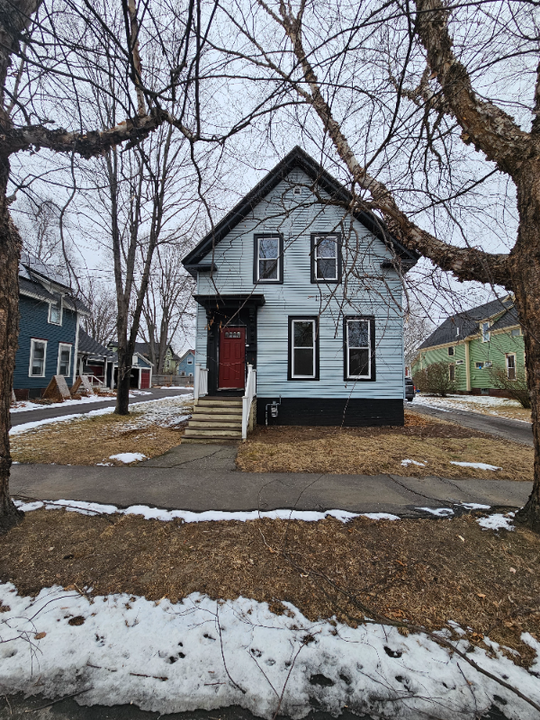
[[424, 446]]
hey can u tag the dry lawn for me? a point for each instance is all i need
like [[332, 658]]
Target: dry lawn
[[374, 451], [92, 440], [424, 571]]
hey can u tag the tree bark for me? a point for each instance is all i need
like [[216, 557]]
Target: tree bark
[[10, 251], [525, 259]]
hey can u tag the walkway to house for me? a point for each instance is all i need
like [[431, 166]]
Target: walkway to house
[[204, 477]]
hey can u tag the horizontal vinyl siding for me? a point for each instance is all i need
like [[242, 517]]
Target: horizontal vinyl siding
[[440, 354], [34, 324], [200, 340], [377, 294], [494, 351]]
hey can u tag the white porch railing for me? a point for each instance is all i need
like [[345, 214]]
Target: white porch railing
[[200, 382], [247, 400]]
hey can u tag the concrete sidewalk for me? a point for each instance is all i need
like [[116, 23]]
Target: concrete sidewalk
[[204, 477]]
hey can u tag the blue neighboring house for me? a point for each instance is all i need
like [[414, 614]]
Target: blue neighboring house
[[48, 331], [186, 364]]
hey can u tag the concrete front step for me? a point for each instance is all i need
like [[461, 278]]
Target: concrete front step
[[197, 424], [231, 434], [209, 441], [215, 420], [218, 417]]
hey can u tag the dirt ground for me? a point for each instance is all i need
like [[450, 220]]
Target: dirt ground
[[92, 440], [373, 451], [426, 572]]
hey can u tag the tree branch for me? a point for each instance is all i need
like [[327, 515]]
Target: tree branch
[[489, 128]]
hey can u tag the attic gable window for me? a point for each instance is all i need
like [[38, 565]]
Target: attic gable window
[[55, 311], [268, 259], [359, 348], [485, 332], [326, 258]]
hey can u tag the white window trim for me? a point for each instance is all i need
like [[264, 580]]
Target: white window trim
[[313, 322], [278, 278], [61, 307], [509, 355], [32, 346], [486, 335], [60, 347], [362, 347], [316, 240]]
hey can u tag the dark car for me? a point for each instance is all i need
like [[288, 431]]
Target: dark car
[[409, 389]]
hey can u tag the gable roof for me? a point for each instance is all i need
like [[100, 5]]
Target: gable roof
[[297, 158], [34, 275], [467, 322]]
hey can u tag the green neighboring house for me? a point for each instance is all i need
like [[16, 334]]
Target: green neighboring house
[[474, 341]]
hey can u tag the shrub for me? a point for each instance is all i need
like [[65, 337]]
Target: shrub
[[435, 379], [515, 388]]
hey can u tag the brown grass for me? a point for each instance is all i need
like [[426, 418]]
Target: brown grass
[[374, 451], [426, 571], [92, 440]]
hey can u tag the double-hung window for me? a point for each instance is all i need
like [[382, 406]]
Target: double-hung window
[[38, 357], [303, 348], [64, 359], [485, 332], [359, 346], [326, 258], [511, 366], [268, 259]]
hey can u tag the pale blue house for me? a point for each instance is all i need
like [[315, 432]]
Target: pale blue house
[[186, 364], [308, 292]]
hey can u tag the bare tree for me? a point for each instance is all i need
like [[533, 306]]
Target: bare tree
[[385, 88], [168, 302], [100, 301], [41, 45]]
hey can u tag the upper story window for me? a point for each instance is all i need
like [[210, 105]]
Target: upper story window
[[38, 357], [303, 348], [485, 332], [451, 350], [326, 258], [359, 348], [268, 259], [55, 311], [516, 332], [64, 359]]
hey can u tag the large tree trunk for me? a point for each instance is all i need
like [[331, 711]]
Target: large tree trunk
[[10, 250], [526, 285]]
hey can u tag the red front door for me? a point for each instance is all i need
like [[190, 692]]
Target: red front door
[[232, 355]]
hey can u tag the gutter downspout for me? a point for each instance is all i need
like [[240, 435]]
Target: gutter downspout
[[467, 365]]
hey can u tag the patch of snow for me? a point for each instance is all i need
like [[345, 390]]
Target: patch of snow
[[406, 463], [165, 412], [151, 513], [128, 457], [478, 465], [497, 521], [205, 654], [475, 506], [439, 512]]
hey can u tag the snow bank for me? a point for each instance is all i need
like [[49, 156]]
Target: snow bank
[[207, 654], [406, 463], [497, 521], [152, 513]]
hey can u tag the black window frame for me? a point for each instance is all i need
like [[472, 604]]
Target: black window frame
[[373, 369], [280, 259], [451, 350], [304, 318], [314, 237]]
